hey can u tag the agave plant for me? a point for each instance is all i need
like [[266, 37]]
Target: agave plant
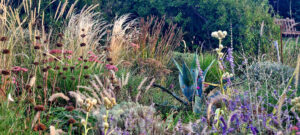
[[191, 81]]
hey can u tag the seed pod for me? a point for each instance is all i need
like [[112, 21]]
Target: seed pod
[[45, 69], [82, 44], [69, 108], [5, 72], [3, 39], [37, 37], [5, 51], [59, 44], [65, 68], [86, 76], [39, 108], [71, 121], [60, 35], [39, 127], [82, 35], [86, 67], [109, 59], [35, 63]]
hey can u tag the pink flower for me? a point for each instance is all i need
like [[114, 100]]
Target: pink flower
[[68, 52], [24, 69], [55, 51], [80, 59], [111, 67], [69, 56], [135, 45], [294, 128], [91, 53], [13, 80], [17, 69]]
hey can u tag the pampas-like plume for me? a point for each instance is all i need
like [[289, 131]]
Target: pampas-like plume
[[54, 131], [122, 26], [36, 117], [79, 97], [32, 81], [58, 95], [212, 102]]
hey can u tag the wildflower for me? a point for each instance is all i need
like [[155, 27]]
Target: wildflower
[[90, 103], [71, 121], [39, 108], [45, 69], [3, 39], [59, 44], [5, 51], [219, 34], [82, 44], [136, 46], [5, 72], [111, 67], [35, 63], [17, 69], [69, 108], [37, 37], [55, 51], [39, 127], [72, 68], [230, 58], [65, 68], [85, 67], [60, 35], [109, 59], [86, 76], [45, 41], [68, 52], [82, 35]]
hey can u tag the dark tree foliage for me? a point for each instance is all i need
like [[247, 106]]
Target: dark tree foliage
[[198, 18], [287, 8]]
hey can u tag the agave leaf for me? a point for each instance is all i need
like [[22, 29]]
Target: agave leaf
[[202, 79], [186, 75], [197, 105], [194, 68], [177, 65]]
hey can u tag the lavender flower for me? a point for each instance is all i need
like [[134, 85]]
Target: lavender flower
[[230, 58]]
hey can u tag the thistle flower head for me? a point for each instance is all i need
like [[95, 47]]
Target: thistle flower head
[[219, 34]]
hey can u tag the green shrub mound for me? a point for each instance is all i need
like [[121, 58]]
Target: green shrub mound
[[277, 72]]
